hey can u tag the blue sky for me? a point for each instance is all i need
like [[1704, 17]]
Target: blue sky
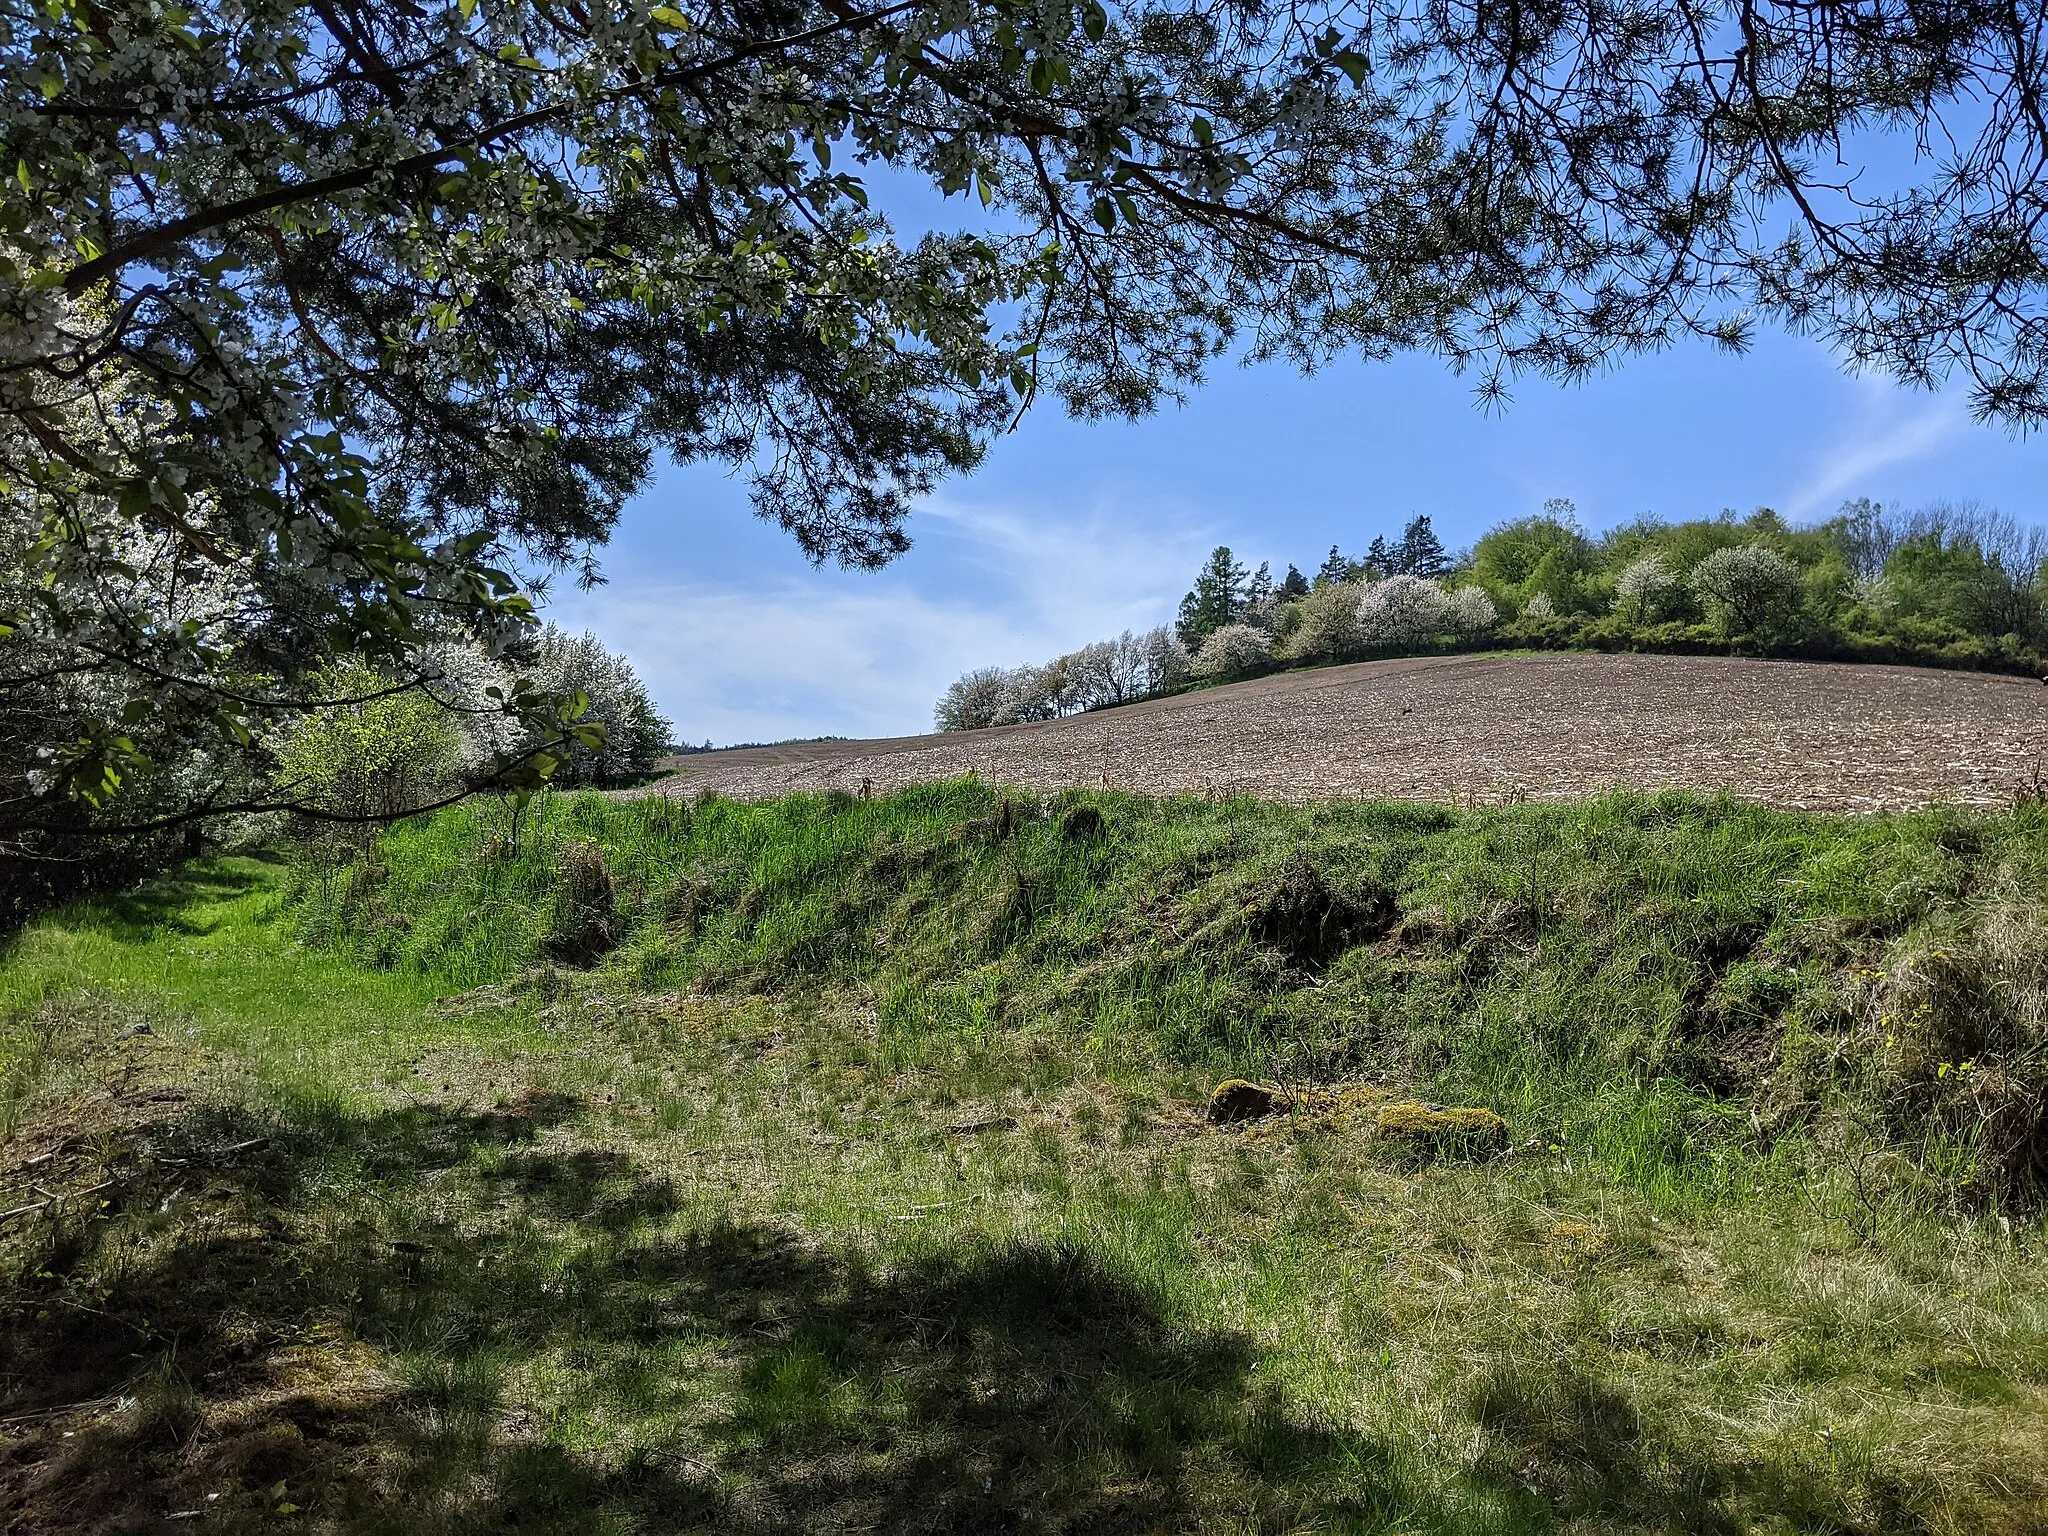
[[1070, 531]]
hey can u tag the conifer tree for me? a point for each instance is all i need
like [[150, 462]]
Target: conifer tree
[[1218, 597], [1420, 552]]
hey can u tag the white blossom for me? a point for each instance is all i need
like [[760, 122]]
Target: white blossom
[[1233, 651]]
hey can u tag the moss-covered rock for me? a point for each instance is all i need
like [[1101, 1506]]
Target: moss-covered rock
[[1237, 1099], [1466, 1128]]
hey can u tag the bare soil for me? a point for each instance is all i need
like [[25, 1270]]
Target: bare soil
[[1487, 729]]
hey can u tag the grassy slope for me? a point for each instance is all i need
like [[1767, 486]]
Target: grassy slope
[[686, 1243]]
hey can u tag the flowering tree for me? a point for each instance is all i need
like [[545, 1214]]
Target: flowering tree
[[971, 701], [1748, 588], [610, 693], [1644, 587], [1233, 651], [1105, 673], [1328, 630], [1403, 611], [1469, 612]]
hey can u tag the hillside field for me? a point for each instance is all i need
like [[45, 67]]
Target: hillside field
[[1485, 730]]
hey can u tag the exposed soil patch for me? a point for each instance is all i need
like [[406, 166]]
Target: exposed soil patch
[[1488, 729]]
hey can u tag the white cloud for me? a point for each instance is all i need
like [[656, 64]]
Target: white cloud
[[832, 652], [1893, 427]]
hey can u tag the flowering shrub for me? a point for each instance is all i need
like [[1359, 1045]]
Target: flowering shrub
[[1539, 607], [1233, 651], [1328, 630], [635, 733], [1403, 611], [1470, 612], [457, 674]]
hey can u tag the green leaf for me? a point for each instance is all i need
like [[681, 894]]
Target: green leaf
[[1094, 21], [669, 16]]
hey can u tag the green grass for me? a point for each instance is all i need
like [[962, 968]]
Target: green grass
[[410, 1227]]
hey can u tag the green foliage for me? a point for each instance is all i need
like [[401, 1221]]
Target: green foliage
[[1603, 967], [1216, 600], [1516, 560], [373, 750], [832, 1235]]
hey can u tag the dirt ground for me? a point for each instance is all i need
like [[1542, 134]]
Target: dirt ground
[[1488, 729]]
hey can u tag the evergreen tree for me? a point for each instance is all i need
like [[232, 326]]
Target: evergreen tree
[[1260, 590], [1294, 585], [1217, 599], [1420, 552], [1336, 568], [1380, 561]]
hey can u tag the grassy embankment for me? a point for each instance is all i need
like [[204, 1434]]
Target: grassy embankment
[[863, 1183]]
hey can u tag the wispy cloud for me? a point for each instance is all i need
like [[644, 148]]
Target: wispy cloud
[[832, 652], [1892, 428]]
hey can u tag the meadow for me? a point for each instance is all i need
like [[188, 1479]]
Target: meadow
[[847, 1164]]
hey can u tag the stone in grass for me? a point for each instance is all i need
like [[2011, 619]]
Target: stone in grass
[[1422, 1123], [1237, 1099]]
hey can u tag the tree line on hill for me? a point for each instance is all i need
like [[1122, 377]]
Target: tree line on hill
[[1946, 585]]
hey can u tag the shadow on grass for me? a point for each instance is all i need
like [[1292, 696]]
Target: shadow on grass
[[163, 905], [573, 1353]]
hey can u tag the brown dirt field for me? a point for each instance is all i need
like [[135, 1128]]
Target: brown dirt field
[[1488, 729]]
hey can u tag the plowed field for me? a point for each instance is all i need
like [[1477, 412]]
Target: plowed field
[[1488, 729]]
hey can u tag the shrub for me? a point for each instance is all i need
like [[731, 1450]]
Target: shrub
[[1749, 590], [1403, 611], [1327, 627], [458, 673], [1469, 612], [1233, 651], [1539, 607], [370, 753]]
